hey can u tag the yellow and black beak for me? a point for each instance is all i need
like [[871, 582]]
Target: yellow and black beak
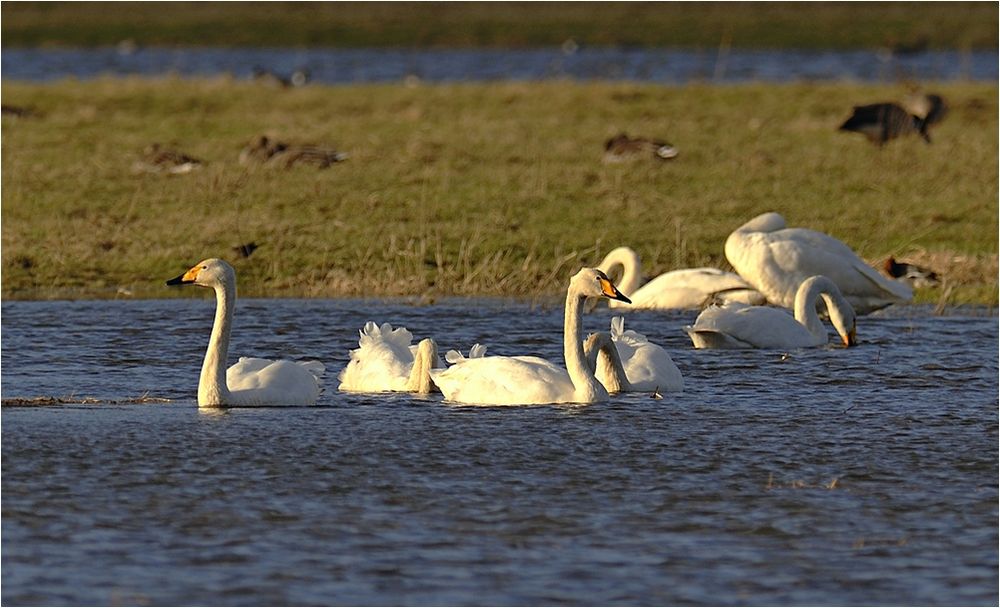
[[610, 291], [186, 278], [851, 339]]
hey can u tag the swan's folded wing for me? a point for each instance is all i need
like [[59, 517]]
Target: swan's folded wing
[[898, 289], [757, 326], [651, 368], [504, 381], [315, 368], [260, 381]]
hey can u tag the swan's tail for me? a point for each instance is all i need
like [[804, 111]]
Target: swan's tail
[[315, 368], [478, 351], [373, 333], [630, 337]]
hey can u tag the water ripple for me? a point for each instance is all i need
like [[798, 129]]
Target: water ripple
[[848, 476]]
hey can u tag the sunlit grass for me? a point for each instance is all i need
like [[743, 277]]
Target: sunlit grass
[[473, 189]]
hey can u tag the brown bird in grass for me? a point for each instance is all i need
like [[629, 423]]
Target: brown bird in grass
[[157, 159], [882, 122], [18, 111], [621, 147], [297, 79], [264, 150]]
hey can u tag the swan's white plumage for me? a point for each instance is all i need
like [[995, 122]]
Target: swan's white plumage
[[525, 380], [776, 260], [254, 381], [737, 325], [478, 351], [251, 381], [648, 367], [384, 361], [688, 288]]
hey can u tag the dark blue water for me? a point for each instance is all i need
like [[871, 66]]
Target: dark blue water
[[672, 66], [825, 476]]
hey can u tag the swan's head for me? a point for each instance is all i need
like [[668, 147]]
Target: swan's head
[[593, 283], [207, 273], [846, 324]]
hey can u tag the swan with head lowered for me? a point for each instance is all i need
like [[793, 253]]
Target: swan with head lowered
[[386, 362], [740, 326], [689, 288], [526, 380], [646, 367], [776, 259], [250, 381]]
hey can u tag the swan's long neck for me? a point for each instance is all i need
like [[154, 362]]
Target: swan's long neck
[[588, 389], [631, 265], [420, 375], [805, 304], [212, 389], [603, 357]]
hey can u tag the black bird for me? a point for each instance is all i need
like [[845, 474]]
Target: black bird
[[881, 122], [911, 273], [931, 107], [246, 249]]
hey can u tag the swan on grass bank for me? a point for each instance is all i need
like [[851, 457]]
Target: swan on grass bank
[[251, 381], [741, 326], [776, 259], [687, 289], [386, 362], [526, 380], [647, 367]]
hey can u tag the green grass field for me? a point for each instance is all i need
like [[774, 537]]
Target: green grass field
[[474, 189], [805, 25]]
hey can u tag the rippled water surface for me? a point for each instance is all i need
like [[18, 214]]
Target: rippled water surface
[[334, 66], [825, 476]]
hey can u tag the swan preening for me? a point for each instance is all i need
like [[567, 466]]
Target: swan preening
[[625, 361], [740, 326], [690, 288], [776, 259], [385, 361], [251, 381], [526, 380]]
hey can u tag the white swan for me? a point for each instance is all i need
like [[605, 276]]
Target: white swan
[[775, 260], [478, 351], [740, 326], [385, 362], [251, 381], [533, 380], [647, 366], [689, 288]]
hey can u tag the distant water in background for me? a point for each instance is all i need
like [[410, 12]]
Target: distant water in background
[[344, 66]]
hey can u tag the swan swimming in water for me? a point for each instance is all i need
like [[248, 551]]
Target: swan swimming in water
[[386, 362], [776, 260], [527, 380], [689, 288], [251, 381], [741, 326], [648, 366]]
